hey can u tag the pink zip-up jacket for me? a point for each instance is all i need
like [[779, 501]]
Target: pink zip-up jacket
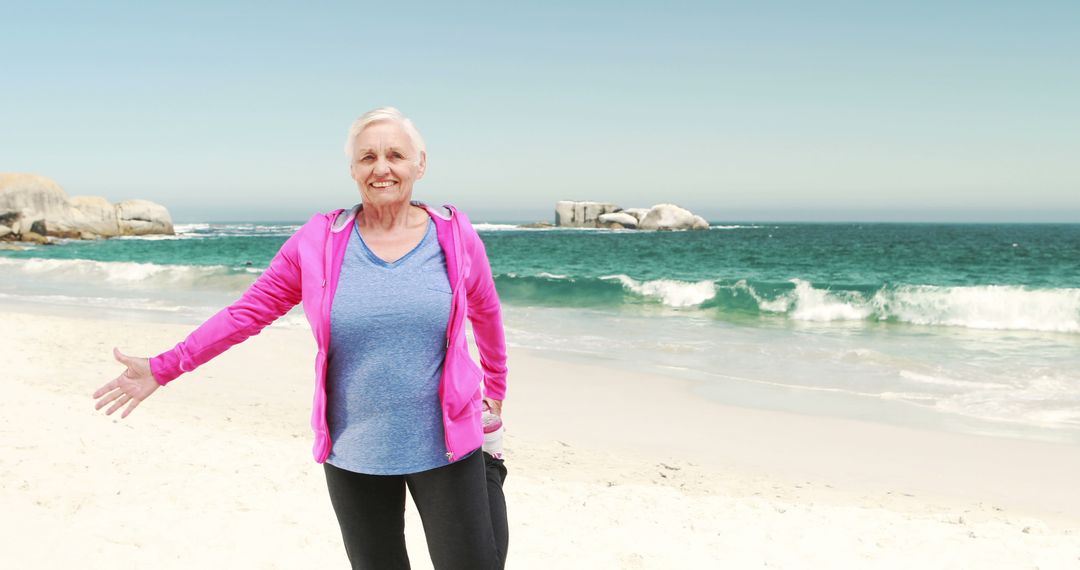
[[306, 270]]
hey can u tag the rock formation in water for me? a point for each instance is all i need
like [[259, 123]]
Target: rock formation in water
[[672, 217], [622, 218], [33, 208], [605, 215], [581, 214]]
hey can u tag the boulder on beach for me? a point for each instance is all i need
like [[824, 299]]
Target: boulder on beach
[[20, 191], [32, 203], [141, 217], [98, 216]]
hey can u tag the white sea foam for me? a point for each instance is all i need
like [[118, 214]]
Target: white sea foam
[[100, 302], [125, 274], [1028, 403], [805, 303], [979, 307], [983, 307], [188, 228], [819, 305], [205, 230], [285, 229], [1036, 389], [951, 382], [669, 291], [487, 227], [484, 227], [778, 305], [158, 237], [547, 275], [907, 396]]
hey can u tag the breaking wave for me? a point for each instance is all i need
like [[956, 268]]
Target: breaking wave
[[994, 307]]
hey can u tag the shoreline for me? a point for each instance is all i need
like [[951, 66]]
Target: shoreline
[[858, 457], [742, 391], [656, 474]]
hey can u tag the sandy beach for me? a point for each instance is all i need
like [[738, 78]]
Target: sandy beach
[[608, 469]]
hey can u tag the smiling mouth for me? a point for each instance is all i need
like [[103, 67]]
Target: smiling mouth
[[383, 184]]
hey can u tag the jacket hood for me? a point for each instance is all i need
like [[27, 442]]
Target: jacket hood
[[344, 217]]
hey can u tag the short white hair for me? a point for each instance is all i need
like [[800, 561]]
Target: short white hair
[[383, 114]]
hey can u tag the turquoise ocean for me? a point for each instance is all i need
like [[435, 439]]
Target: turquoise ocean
[[960, 327]]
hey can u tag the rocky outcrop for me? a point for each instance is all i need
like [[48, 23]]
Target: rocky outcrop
[[31, 192], [638, 213], [142, 217], [570, 214], [622, 218], [606, 215], [35, 204], [23, 225], [672, 217], [98, 215]]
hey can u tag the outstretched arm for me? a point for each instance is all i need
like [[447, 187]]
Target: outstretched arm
[[276, 291]]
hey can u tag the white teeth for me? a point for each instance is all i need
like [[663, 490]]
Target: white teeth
[[386, 184]]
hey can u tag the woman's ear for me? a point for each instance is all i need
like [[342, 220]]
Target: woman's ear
[[423, 165]]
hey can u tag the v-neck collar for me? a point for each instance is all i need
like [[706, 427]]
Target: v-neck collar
[[380, 262]]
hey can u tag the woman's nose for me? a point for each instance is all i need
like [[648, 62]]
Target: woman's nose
[[381, 167]]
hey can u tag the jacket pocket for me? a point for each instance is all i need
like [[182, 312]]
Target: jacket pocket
[[464, 384]]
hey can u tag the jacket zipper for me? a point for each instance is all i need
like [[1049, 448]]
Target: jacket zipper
[[328, 250], [452, 326]]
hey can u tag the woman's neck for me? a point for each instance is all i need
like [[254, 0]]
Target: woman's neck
[[386, 218]]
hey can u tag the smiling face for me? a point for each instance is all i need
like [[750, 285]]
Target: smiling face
[[385, 163]]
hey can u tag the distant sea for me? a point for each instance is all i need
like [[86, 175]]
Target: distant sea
[[961, 327]]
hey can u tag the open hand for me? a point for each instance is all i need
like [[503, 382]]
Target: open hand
[[131, 387]]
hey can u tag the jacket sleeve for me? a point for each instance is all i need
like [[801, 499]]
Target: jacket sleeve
[[485, 314], [276, 291]]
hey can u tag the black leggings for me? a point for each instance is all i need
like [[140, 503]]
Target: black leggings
[[461, 505]]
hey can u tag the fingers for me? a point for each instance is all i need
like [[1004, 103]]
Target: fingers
[[105, 401], [134, 403], [105, 389], [119, 403], [122, 359]]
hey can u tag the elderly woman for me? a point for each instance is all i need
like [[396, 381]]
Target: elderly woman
[[386, 287]]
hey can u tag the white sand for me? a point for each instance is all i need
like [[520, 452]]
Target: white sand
[[607, 470]]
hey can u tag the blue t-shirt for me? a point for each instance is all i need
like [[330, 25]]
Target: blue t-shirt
[[387, 345]]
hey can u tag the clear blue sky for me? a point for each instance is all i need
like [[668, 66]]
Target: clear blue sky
[[754, 110]]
